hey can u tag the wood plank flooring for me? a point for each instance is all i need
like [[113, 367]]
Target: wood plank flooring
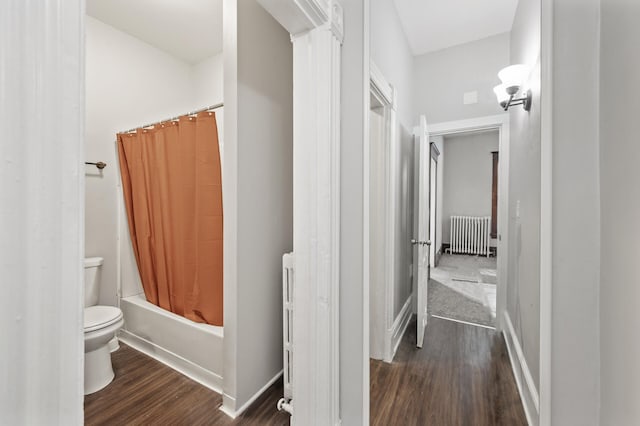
[[146, 392], [462, 376]]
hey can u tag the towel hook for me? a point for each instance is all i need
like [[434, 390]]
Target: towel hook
[[100, 165]]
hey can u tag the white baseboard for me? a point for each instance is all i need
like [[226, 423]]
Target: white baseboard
[[397, 330], [176, 362], [528, 392], [228, 401]]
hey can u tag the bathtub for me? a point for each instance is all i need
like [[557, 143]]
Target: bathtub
[[191, 348]]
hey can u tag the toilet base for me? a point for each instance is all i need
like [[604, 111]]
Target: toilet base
[[98, 371]]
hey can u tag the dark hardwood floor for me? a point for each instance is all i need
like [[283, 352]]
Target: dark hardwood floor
[[461, 376], [146, 392]]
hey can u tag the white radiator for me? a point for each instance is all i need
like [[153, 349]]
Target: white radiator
[[470, 235], [287, 331]]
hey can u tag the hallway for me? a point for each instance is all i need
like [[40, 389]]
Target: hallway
[[462, 376]]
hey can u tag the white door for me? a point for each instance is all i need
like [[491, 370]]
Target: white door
[[422, 237]]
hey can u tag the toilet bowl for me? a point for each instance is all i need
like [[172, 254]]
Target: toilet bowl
[[100, 326], [101, 323]]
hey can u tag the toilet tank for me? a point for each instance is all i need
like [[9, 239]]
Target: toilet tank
[[92, 280]]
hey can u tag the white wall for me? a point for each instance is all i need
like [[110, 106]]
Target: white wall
[[41, 214], [207, 81], [391, 53], [354, 312], [523, 282], [207, 85], [468, 176], [619, 206], [620, 209], [130, 83], [441, 78], [575, 357], [257, 195]]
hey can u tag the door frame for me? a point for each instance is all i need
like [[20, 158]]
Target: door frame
[[435, 155], [43, 210], [500, 123], [546, 212], [316, 29], [387, 338]]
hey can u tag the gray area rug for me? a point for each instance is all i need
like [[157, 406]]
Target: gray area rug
[[463, 288], [448, 303]]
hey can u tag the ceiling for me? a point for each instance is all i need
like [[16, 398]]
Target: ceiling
[[437, 24], [190, 30]]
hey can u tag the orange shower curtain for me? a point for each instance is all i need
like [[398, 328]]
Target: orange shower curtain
[[172, 186]]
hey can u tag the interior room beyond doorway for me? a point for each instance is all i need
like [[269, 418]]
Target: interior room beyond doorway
[[463, 283]]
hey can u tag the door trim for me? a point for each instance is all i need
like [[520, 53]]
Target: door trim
[[500, 123], [435, 155], [382, 346], [316, 28], [43, 196], [546, 199]]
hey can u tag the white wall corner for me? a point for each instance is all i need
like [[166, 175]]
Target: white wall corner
[[396, 332], [228, 401], [524, 379], [228, 406]]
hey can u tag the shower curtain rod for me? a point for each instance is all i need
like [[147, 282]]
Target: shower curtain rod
[[209, 108]]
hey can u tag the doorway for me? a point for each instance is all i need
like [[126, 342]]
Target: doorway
[[463, 286], [433, 207], [466, 281], [390, 210]]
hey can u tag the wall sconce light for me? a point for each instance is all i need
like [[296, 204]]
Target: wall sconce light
[[512, 78]]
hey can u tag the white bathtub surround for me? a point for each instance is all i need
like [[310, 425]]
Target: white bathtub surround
[[191, 348]]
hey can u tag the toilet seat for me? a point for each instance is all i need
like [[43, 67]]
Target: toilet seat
[[97, 317]]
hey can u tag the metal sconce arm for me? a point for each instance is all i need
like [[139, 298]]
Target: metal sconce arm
[[524, 101]]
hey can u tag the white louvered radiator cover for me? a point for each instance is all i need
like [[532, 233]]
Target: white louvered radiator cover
[[470, 235]]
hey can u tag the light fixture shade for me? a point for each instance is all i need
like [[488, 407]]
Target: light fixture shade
[[512, 77], [501, 93]]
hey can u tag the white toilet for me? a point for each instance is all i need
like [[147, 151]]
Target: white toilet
[[100, 326]]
